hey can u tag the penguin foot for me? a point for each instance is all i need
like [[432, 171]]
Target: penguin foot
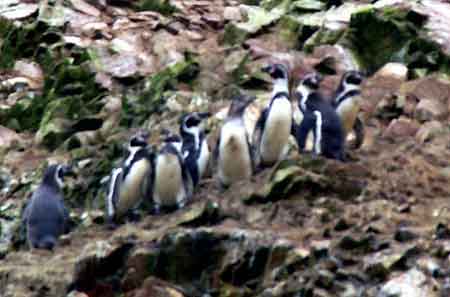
[[111, 226], [222, 187], [134, 216], [156, 210]]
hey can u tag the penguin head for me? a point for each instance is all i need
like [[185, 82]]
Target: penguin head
[[239, 104], [139, 139], [352, 78], [171, 139], [54, 175], [312, 81], [189, 123], [276, 71]]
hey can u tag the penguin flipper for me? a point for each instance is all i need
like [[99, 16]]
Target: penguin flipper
[[251, 151], [113, 192], [259, 128], [215, 155], [358, 129], [302, 131]]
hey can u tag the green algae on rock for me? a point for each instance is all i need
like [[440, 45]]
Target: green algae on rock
[[151, 99], [164, 7]]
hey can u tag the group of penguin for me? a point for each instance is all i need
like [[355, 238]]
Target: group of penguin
[[168, 176]]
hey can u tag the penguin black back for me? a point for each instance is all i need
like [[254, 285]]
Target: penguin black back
[[45, 216], [195, 150], [321, 118]]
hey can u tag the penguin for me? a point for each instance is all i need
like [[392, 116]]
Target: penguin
[[273, 128], [233, 152], [45, 216], [171, 182], [128, 183], [346, 101], [195, 148], [320, 117]]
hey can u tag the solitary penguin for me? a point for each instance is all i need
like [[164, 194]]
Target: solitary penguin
[[171, 182], [195, 149], [321, 118], [128, 184], [273, 128], [233, 151], [45, 216], [346, 101]]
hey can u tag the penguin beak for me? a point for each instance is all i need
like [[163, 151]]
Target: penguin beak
[[250, 99], [319, 77], [204, 115], [67, 170], [267, 69]]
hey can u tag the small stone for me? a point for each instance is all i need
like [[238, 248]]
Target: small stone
[[402, 127], [394, 70], [430, 266], [428, 131], [409, 284], [341, 225], [232, 13], [429, 109], [442, 231], [325, 279], [320, 248], [380, 264], [404, 235]]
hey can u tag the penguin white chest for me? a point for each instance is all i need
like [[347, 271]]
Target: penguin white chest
[[132, 188], [234, 155], [203, 158], [348, 111], [277, 130], [168, 189]]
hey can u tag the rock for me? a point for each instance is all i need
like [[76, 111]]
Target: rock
[[430, 266], [380, 92], [31, 70], [394, 70], [231, 13], [430, 109], [325, 279], [380, 264], [429, 131], [404, 235], [298, 175], [402, 127], [156, 288], [412, 283], [97, 260], [8, 137], [257, 18], [18, 11], [442, 231]]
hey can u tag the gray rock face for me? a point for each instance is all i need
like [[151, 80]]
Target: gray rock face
[[409, 284]]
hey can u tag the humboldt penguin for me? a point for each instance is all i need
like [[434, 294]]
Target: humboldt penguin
[[45, 216], [195, 148], [346, 101], [321, 118], [273, 128], [172, 185], [128, 185], [233, 152]]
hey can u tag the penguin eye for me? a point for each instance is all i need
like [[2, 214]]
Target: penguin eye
[[60, 173], [190, 122], [354, 79]]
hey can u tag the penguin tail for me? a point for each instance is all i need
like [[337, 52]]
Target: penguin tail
[[48, 243]]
